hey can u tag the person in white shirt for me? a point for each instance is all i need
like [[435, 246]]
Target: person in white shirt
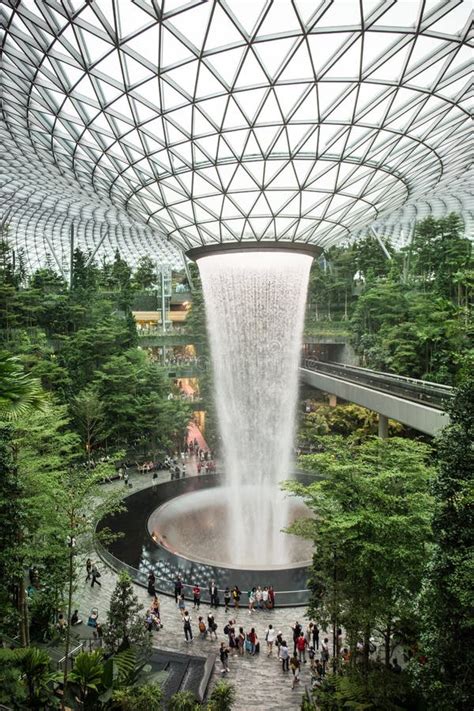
[[270, 636]]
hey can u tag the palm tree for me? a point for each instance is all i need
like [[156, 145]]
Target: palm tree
[[19, 392], [86, 676], [222, 697]]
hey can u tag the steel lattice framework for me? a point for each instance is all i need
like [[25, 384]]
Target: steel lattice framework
[[201, 122]]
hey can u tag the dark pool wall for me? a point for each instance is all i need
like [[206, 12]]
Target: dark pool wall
[[138, 553]]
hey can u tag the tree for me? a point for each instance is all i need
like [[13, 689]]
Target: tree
[[448, 598], [125, 628], [33, 667], [88, 413], [142, 697], [86, 677], [145, 276], [183, 701], [222, 696], [19, 393], [371, 531]]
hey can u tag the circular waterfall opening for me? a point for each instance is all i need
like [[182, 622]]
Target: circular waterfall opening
[[202, 525]]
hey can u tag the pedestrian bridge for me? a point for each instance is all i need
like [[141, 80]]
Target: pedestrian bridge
[[416, 403]]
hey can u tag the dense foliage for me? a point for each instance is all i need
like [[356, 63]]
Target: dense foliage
[[410, 314], [80, 342]]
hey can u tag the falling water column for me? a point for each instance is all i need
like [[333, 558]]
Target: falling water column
[[255, 304]]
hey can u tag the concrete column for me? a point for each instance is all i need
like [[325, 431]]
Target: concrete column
[[383, 426], [332, 400]]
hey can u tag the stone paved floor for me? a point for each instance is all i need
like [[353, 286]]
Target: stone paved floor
[[259, 680]]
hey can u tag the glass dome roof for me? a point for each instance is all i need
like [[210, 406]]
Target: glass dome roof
[[227, 120]]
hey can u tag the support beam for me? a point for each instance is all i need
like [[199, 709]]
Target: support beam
[[383, 426]]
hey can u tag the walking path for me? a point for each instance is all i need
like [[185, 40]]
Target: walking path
[[259, 680]]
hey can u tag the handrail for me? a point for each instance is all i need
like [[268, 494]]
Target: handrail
[[369, 371], [432, 394], [70, 655]]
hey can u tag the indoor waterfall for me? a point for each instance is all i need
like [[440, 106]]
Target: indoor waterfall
[[255, 305]]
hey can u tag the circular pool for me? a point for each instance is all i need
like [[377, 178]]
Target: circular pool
[[180, 527]]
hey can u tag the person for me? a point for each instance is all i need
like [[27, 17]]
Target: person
[[227, 599], [265, 602], [284, 655], [182, 605], [213, 594], [270, 637], [188, 631], [241, 641], [271, 597], [155, 479], [151, 583], [296, 633], [251, 597], [259, 598], [61, 624], [315, 632], [295, 668], [319, 670], [196, 597], [252, 638], [301, 647], [95, 575], [312, 656], [75, 618], [236, 596], [88, 569], [202, 628], [279, 641], [396, 668], [155, 606], [224, 656], [178, 588], [125, 478], [211, 626], [325, 653]]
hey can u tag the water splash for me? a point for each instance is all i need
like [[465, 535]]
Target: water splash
[[255, 304]]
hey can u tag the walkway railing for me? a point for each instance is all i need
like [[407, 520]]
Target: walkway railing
[[70, 657], [431, 394], [165, 583]]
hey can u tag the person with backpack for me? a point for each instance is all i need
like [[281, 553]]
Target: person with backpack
[[295, 668], [227, 597], [252, 641], [224, 656], [188, 631], [202, 628], [236, 596], [211, 626]]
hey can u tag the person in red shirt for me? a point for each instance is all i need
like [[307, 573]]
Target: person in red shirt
[[196, 596], [301, 647]]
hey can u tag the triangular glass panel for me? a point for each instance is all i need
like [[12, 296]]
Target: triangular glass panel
[[222, 30], [251, 72], [299, 66], [273, 53], [247, 14], [193, 23], [207, 84], [172, 50]]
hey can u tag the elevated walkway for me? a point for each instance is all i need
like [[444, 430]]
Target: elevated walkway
[[416, 403]]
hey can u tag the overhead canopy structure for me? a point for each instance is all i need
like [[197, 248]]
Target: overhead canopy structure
[[199, 122]]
